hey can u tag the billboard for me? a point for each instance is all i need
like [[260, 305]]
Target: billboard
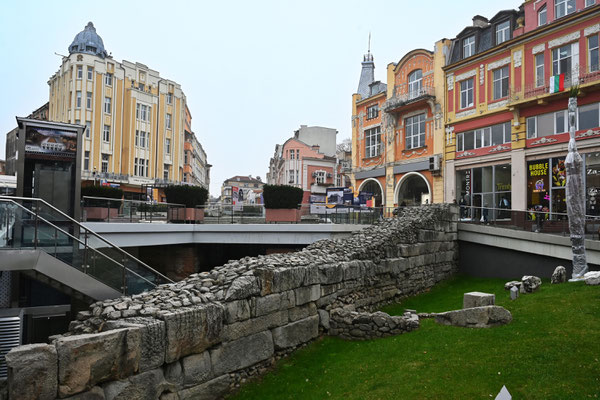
[[48, 141]]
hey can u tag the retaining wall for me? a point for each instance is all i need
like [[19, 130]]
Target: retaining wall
[[204, 336]]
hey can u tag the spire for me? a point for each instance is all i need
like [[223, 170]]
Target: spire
[[367, 74]]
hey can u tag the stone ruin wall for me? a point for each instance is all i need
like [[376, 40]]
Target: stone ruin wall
[[204, 336]]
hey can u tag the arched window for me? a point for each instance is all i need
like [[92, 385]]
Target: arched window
[[415, 84]]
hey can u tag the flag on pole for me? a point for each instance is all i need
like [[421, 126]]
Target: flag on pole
[[557, 83]]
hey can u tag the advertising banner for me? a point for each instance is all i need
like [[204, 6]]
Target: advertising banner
[[50, 142]]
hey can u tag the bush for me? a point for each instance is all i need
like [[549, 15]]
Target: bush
[[107, 192], [190, 196], [282, 196]]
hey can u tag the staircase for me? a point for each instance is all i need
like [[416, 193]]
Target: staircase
[[39, 239]]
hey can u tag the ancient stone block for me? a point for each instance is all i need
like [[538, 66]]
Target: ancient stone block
[[592, 278], [288, 278], [307, 294], [193, 330], [559, 275], [324, 319], [478, 317], [242, 288], [197, 369], [267, 304], [531, 283], [147, 385], [254, 325], [211, 390], [237, 310], [32, 372], [331, 273], [152, 346], [312, 275], [95, 393], [85, 360], [301, 312], [352, 270], [296, 333], [242, 353], [173, 373], [478, 299]]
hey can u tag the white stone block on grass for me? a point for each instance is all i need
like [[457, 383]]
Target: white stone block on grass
[[478, 299]]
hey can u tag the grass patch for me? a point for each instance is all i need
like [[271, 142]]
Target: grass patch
[[551, 350]]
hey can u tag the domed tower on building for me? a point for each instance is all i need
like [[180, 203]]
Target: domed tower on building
[[134, 119], [88, 42]]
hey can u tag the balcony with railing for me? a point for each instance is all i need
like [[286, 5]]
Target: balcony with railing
[[538, 90], [403, 97]]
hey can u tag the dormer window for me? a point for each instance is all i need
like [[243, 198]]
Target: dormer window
[[468, 46], [563, 7], [502, 32], [542, 16], [415, 84]]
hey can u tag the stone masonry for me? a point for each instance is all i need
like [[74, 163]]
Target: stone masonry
[[202, 337]]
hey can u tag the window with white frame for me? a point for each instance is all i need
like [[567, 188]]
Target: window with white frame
[[593, 53], [78, 99], [90, 73], [147, 167], [589, 3], [80, 72], [320, 177], [415, 131], [588, 116], [169, 98], [105, 158], [88, 100], [539, 70], [168, 145], [137, 138], [107, 105], [108, 79], [373, 111], [88, 129], [466, 93], [415, 84], [135, 166], [502, 32], [292, 154], [489, 136], [563, 7], [500, 83], [167, 167], [292, 176], [562, 60], [168, 121], [106, 134], [542, 16], [468, 46], [373, 142], [557, 122], [86, 160], [143, 142]]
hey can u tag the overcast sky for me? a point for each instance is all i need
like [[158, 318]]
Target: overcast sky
[[252, 71]]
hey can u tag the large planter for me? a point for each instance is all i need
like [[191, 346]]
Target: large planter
[[100, 213], [291, 215], [188, 214]]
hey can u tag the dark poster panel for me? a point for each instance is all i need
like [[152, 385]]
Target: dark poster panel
[[50, 142]]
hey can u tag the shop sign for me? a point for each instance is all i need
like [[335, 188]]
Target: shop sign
[[503, 187], [538, 169], [468, 182]]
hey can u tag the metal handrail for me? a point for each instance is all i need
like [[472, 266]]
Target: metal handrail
[[123, 252], [86, 246], [133, 201], [526, 211]]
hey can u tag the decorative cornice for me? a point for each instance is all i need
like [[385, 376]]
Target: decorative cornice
[[465, 154], [498, 148], [465, 113], [588, 133], [590, 30], [544, 140], [563, 40], [498, 64], [539, 48], [414, 152], [498, 104], [517, 58], [466, 75]]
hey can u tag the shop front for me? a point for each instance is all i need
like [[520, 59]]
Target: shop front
[[484, 193]]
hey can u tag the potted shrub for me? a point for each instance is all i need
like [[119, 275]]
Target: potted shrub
[[188, 196], [100, 209], [282, 203]]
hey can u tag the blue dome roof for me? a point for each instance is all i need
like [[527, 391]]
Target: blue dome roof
[[88, 42]]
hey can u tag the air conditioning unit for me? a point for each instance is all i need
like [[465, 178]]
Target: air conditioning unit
[[435, 163]]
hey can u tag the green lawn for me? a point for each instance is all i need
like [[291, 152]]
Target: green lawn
[[551, 350]]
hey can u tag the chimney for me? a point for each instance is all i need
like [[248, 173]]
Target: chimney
[[480, 21]]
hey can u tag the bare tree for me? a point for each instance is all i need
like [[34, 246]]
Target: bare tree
[[344, 145]]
